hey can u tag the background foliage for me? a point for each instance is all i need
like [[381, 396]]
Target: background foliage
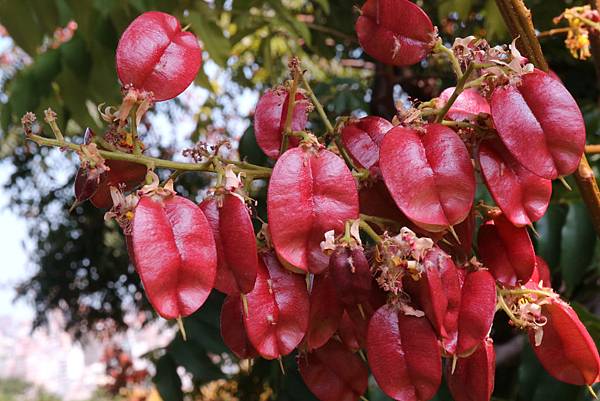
[[81, 264]]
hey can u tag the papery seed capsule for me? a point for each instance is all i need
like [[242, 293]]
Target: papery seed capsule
[[362, 138], [233, 331], [325, 311], [278, 309], [403, 355], [310, 192], [174, 253], [155, 55], [566, 349], [473, 376], [236, 244], [506, 251], [540, 124], [431, 179], [332, 373], [269, 120], [395, 32], [351, 273]]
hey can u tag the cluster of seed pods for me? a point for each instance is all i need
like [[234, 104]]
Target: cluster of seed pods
[[420, 305]]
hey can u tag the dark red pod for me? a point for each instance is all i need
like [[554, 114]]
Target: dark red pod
[[473, 377], [333, 373], [352, 336], [541, 273], [566, 350], [174, 253], [236, 244], [540, 124], [462, 249], [269, 120], [362, 138], [468, 105], [233, 331], [278, 309], [430, 175], [395, 32], [522, 195], [477, 310], [123, 174], [310, 193], [437, 293], [506, 251], [155, 55], [351, 273], [325, 311], [85, 185], [375, 200], [403, 355]]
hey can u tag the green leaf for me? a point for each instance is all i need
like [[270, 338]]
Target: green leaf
[[288, 19], [550, 229], [195, 360], [249, 149], [215, 43], [462, 7], [19, 19], [577, 245], [494, 23], [324, 5], [167, 381]]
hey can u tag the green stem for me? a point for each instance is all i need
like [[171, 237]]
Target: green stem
[[344, 153], [134, 132], [370, 232], [460, 86], [440, 48], [380, 221], [287, 128], [526, 292], [317, 104], [152, 162]]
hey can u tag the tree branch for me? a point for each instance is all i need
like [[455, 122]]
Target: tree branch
[[518, 20]]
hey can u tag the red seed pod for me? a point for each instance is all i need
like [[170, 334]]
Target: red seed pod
[[174, 252], [404, 355], [353, 337], [432, 178], [540, 124], [473, 377], [541, 273], [566, 350], [236, 244], [477, 310], [468, 105], [522, 195], [437, 293], [85, 185], [375, 200], [310, 193], [351, 273], [122, 173], [269, 119], [155, 55], [332, 373], [362, 139], [506, 251], [278, 309], [233, 331], [395, 32], [325, 312]]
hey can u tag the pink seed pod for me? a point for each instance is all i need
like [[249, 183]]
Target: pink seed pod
[[473, 376], [540, 124], [155, 55], [395, 32], [278, 309], [432, 179]]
